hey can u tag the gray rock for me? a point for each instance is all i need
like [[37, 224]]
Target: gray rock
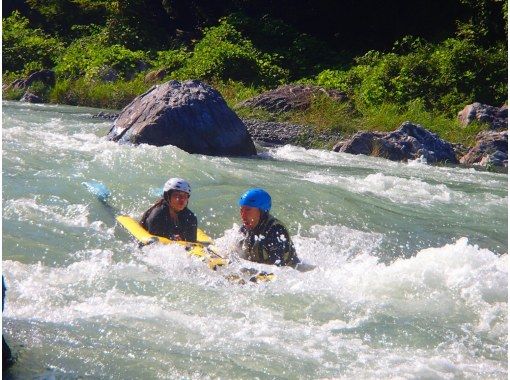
[[496, 117], [290, 97], [107, 74], [491, 149], [190, 115], [156, 75], [409, 142], [31, 98], [271, 134], [47, 77], [107, 116]]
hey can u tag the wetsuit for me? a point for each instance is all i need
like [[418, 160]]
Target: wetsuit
[[269, 243], [158, 222]]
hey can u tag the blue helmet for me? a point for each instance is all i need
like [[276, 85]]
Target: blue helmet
[[258, 198]]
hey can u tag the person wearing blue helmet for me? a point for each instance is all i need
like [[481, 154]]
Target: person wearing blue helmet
[[265, 238]]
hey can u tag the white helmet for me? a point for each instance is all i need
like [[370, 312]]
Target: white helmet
[[177, 184]]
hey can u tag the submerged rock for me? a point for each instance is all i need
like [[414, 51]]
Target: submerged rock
[[190, 115], [409, 142], [491, 149]]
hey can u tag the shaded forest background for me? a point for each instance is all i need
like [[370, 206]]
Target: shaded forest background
[[395, 59]]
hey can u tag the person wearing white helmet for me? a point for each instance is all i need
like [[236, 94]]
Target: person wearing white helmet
[[170, 216]]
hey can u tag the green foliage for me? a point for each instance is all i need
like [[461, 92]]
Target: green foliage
[[327, 115], [445, 76], [223, 53], [234, 92], [298, 52], [89, 57], [138, 25], [487, 21], [40, 89], [12, 94], [61, 16], [171, 59], [26, 49]]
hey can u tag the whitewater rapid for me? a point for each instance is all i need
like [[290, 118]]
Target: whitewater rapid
[[411, 278]]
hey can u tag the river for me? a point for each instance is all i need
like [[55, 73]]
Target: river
[[411, 279]]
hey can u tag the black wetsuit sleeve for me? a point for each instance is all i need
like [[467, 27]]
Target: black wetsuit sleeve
[[277, 242]]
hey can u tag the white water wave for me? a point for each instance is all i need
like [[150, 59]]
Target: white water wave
[[396, 189], [29, 209], [414, 168]]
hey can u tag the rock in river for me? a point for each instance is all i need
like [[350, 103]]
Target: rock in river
[[409, 142], [190, 115]]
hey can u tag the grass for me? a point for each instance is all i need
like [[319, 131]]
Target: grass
[[110, 95], [389, 117]]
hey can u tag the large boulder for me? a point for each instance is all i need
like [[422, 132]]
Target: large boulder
[[491, 149], [290, 97], [496, 117], [190, 115], [409, 142]]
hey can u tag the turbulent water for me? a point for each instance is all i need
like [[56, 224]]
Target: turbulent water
[[411, 277]]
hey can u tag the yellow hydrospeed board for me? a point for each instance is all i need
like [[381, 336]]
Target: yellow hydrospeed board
[[198, 249], [201, 249]]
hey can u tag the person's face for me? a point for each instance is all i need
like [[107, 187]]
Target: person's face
[[250, 216], [178, 200]]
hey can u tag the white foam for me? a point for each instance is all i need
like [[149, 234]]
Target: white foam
[[25, 209], [397, 189]]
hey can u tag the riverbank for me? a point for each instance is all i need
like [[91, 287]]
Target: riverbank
[[324, 115], [315, 117]]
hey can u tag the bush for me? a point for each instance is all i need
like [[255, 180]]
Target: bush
[[444, 77], [91, 58], [298, 52], [171, 59], [26, 49], [224, 54]]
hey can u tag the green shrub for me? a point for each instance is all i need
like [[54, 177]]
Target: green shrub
[[298, 52], [225, 54], [26, 49], [91, 58], [445, 76], [171, 59], [40, 89], [13, 93]]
